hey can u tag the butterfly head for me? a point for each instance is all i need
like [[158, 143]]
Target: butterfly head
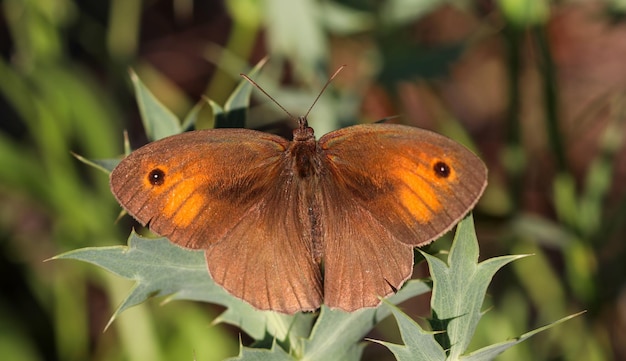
[[303, 133]]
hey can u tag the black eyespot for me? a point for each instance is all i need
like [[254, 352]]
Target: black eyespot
[[442, 170], [156, 177]]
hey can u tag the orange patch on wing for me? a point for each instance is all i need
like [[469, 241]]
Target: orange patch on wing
[[189, 211], [417, 193], [183, 205]]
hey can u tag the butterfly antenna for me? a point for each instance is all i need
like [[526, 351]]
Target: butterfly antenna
[[267, 95], [283, 108], [324, 88]]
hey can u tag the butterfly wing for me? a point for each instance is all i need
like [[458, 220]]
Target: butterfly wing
[[362, 259], [275, 266], [220, 190], [395, 187]]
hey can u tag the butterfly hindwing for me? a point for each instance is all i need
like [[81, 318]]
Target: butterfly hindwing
[[363, 261], [268, 258]]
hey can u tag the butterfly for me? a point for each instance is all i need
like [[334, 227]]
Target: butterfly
[[289, 225]]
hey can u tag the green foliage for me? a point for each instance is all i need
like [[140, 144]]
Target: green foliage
[[460, 289], [162, 122], [418, 344], [160, 268], [458, 292]]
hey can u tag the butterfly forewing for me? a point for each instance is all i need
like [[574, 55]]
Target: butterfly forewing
[[417, 184], [194, 193]]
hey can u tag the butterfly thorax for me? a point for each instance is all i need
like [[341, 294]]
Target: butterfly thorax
[[303, 151]]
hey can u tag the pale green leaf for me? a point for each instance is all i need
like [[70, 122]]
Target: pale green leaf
[[105, 165], [418, 344], [260, 323], [490, 352], [337, 333], [295, 32], [240, 97], [257, 354], [158, 121], [191, 119], [459, 288], [236, 107], [161, 268]]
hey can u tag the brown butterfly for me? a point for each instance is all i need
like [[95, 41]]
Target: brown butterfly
[[289, 225]]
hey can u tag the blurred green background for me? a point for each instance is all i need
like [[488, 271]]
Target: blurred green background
[[535, 87]]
